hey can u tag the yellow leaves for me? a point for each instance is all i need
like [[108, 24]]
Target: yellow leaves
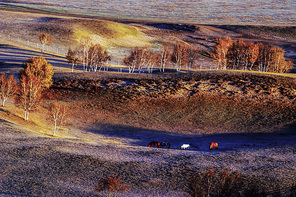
[[45, 38], [39, 67]]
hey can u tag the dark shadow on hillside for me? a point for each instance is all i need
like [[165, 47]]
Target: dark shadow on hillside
[[227, 142], [175, 27], [12, 57]]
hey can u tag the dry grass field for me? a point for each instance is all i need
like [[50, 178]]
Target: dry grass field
[[112, 116]]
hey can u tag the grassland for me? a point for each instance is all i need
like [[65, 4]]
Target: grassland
[[112, 116]]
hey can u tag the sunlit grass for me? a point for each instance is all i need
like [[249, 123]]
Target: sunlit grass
[[109, 34]]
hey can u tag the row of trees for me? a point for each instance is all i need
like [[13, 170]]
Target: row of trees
[[181, 55], [34, 79], [92, 56], [228, 53], [237, 54]]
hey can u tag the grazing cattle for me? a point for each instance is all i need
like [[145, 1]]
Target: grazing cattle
[[154, 143], [185, 146], [213, 145], [165, 144]]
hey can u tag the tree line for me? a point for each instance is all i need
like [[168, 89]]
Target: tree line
[[94, 57], [241, 55], [227, 53]]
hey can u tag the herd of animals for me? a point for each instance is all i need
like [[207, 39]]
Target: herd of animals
[[213, 145]]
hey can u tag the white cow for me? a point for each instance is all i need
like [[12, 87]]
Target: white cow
[[185, 146]]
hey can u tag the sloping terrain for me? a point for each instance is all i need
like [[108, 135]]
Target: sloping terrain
[[208, 101], [112, 116]]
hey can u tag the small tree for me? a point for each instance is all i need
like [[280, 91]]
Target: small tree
[[7, 87], [58, 115], [192, 56], [29, 94], [97, 56], [72, 58], [136, 59], [179, 55], [44, 39], [164, 57], [83, 51], [39, 67], [220, 52], [111, 184]]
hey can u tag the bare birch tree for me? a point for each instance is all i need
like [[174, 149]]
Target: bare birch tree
[[29, 94], [179, 56], [164, 57], [58, 114], [72, 58], [192, 56]]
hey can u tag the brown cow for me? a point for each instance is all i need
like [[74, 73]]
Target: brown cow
[[154, 143], [213, 145]]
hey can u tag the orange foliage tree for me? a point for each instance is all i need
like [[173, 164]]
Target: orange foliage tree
[[44, 39], [249, 56], [220, 52], [8, 86], [36, 76], [39, 67]]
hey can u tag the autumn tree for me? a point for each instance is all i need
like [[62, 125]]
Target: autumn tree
[[287, 66], [83, 51], [220, 52], [8, 87], [97, 57], [72, 58], [249, 56], [277, 60], [44, 39], [36, 76], [151, 60], [58, 115], [179, 56], [236, 54], [136, 59], [39, 67], [254, 54], [29, 93], [192, 56]]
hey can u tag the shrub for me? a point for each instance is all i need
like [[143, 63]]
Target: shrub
[[111, 184]]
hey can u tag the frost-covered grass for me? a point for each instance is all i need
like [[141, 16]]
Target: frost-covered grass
[[236, 12], [33, 164]]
